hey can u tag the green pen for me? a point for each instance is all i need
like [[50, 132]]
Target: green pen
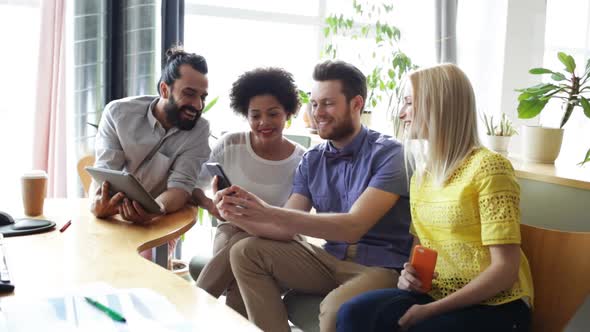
[[110, 312]]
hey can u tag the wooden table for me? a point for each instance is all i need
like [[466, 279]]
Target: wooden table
[[93, 250]]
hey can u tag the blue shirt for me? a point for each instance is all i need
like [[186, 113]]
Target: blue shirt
[[334, 179]]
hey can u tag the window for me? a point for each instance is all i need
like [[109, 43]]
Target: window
[[102, 46], [18, 65], [89, 63], [236, 36], [414, 19], [235, 40], [567, 29], [300, 7]]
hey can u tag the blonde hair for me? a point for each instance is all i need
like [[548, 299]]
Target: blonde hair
[[444, 122]]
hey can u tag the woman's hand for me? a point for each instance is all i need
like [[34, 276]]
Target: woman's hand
[[408, 279], [208, 205], [415, 314], [200, 199]]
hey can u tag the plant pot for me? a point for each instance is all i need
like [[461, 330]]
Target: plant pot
[[541, 145], [497, 143], [308, 119]]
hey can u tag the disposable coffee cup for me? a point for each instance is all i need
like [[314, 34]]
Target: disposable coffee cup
[[34, 189]]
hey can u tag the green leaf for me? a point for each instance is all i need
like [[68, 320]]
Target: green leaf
[[524, 96], [303, 96], [391, 73], [396, 34], [539, 71], [365, 31], [529, 108], [389, 32], [568, 61], [558, 77], [200, 215], [585, 106], [541, 88], [326, 31], [586, 158], [210, 104]]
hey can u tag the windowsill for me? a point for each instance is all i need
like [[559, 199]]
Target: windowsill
[[558, 173]]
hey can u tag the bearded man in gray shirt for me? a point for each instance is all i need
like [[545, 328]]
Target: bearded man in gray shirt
[[160, 139]]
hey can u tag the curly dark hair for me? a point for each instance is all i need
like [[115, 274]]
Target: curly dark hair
[[176, 57], [276, 82]]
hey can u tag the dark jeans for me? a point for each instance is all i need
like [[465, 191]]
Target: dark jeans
[[380, 310]]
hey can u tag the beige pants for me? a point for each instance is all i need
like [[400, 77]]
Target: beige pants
[[217, 277], [265, 268]]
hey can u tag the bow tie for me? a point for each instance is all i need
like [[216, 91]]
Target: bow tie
[[338, 155]]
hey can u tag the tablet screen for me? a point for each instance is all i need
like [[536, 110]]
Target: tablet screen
[[121, 181]]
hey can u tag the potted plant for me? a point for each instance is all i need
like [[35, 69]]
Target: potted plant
[[498, 135], [386, 62], [307, 116], [543, 144]]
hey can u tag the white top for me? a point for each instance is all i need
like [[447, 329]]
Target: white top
[[270, 180]]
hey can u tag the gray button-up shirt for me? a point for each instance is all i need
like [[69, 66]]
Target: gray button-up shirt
[[334, 179], [129, 132]]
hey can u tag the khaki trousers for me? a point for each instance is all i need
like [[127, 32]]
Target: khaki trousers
[[265, 268], [217, 277]]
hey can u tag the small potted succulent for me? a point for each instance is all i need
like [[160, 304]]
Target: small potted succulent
[[498, 135]]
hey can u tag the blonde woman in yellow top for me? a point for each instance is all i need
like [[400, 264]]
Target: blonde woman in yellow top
[[465, 205]]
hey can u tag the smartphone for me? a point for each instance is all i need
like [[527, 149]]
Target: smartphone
[[424, 260], [222, 179]]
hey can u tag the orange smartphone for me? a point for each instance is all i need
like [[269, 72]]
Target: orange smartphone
[[424, 260]]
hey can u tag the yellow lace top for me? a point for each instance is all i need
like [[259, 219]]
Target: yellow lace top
[[477, 207]]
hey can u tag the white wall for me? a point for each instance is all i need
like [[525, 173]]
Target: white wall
[[480, 48], [524, 49], [498, 41]]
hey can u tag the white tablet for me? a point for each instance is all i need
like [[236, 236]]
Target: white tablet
[[121, 181]]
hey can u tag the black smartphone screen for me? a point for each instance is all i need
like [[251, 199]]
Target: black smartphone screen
[[222, 179]]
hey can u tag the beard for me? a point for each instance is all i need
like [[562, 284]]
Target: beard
[[174, 115], [344, 128]]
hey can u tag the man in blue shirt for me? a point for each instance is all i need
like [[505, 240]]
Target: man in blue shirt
[[356, 182]]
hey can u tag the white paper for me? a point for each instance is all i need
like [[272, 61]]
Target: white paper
[[143, 309]]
